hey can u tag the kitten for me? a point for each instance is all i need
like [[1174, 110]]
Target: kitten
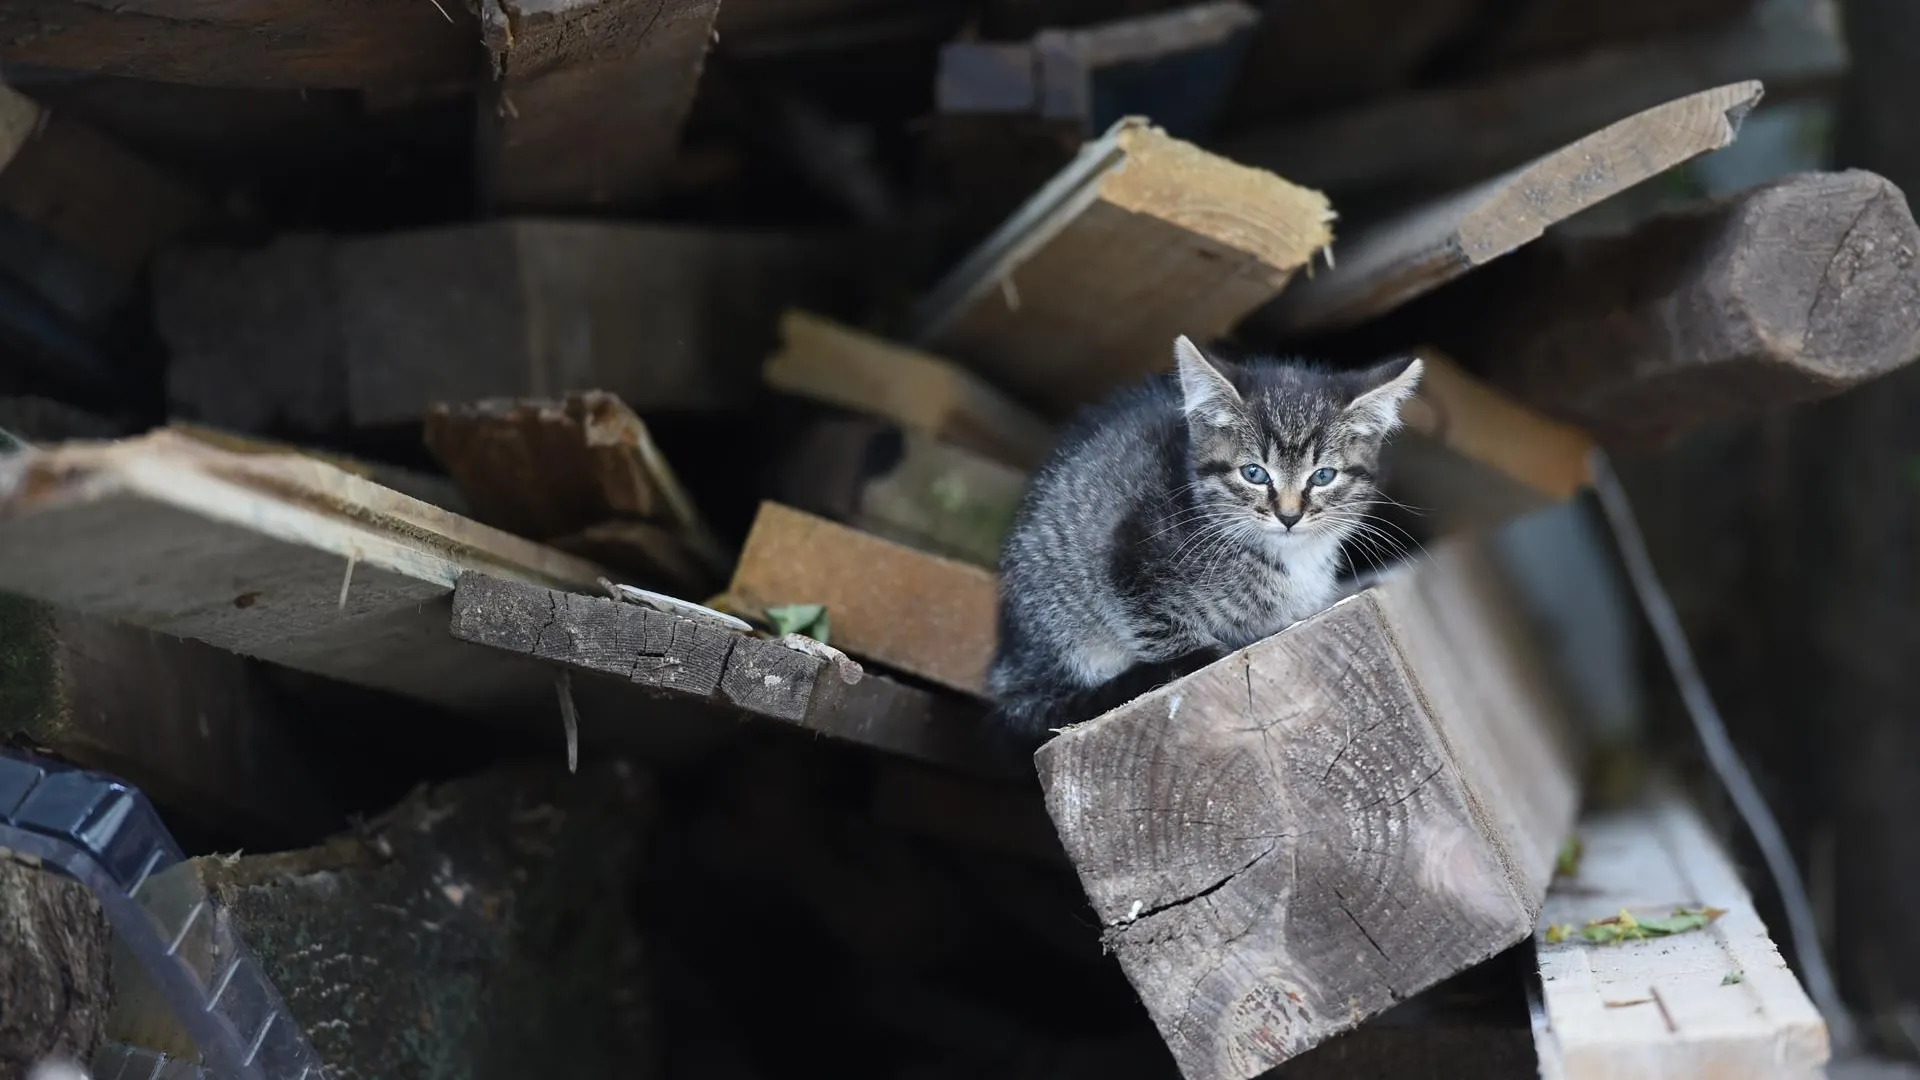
[[1187, 517]]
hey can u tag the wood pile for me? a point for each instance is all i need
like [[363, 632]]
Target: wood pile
[[518, 488]]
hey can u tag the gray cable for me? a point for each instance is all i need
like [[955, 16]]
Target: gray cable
[[1721, 755]]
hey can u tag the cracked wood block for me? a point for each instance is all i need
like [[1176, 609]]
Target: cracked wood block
[[1786, 293], [1325, 823]]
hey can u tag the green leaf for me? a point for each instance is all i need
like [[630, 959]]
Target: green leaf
[[807, 619], [1615, 929], [1567, 864], [1733, 978]]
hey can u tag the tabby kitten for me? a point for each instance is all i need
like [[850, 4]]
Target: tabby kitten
[[1187, 517]]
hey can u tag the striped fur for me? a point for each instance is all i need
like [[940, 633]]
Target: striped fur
[[1146, 544]]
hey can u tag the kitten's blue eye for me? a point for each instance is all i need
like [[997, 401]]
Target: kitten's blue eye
[[1322, 477], [1254, 474]]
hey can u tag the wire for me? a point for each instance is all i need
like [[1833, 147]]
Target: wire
[[1721, 755]]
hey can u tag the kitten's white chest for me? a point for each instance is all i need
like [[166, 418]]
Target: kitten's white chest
[[1277, 599]]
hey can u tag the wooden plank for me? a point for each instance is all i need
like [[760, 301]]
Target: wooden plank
[[1472, 458], [1318, 826], [902, 486], [1314, 55], [1555, 29], [906, 609], [835, 364], [1057, 73], [424, 486], [88, 192], [219, 310], [655, 654], [1141, 239], [551, 469], [256, 43], [383, 328], [281, 558], [1715, 1002], [190, 725], [1446, 138], [588, 98], [1411, 255], [1788, 292]]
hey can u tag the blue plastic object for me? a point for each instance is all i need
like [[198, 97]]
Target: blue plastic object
[[106, 835]]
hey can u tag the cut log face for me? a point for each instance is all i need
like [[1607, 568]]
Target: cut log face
[[1319, 826], [1790, 292]]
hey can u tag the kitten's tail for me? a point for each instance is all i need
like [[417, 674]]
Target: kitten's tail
[[1021, 719]]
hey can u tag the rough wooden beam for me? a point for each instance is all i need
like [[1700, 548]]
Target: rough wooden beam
[[1444, 139], [906, 609], [588, 98], [1719, 1001], [258, 43], [655, 654], [56, 982], [1309, 55], [87, 191], [378, 330], [1058, 74], [1554, 29], [452, 936], [552, 469], [1141, 239], [1472, 457], [1325, 823], [837, 365], [277, 557], [190, 725], [1792, 291], [1408, 256]]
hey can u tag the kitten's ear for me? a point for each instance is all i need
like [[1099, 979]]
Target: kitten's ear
[[1376, 412], [1209, 396]]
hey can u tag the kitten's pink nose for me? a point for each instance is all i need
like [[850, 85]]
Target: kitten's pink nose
[[1288, 519]]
